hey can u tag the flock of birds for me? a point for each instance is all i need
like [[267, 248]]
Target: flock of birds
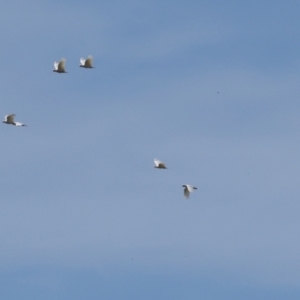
[[187, 187], [60, 67]]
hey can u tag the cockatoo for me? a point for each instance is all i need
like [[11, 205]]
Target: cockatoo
[[86, 63], [187, 190], [9, 119], [59, 67], [159, 164]]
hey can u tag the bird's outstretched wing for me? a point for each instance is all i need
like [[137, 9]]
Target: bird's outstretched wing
[[89, 62], [190, 188], [61, 65], [10, 118], [56, 65], [19, 124], [186, 193], [156, 162], [159, 164], [82, 61]]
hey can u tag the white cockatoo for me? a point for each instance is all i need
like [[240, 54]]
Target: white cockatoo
[[59, 67], [188, 189], [9, 119], [159, 164], [86, 63]]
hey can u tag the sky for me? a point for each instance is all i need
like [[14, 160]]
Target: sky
[[211, 88]]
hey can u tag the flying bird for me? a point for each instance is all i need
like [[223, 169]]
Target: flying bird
[[86, 63], [187, 190], [159, 164], [9, 119], [59, 67]]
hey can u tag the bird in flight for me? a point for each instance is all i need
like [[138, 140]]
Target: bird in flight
[[59, 67], [187, 190], [10, 119], [86, 63], [159, 164]]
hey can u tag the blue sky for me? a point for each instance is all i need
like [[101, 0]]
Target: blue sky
[[212, 89]]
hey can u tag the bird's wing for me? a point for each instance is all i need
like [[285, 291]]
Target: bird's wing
[[162, 165], [157, 162], [19, 124], [10, 118], [190, 188], [82, 61], [89, 62], [61, 65], [56, 65], [186, 193]]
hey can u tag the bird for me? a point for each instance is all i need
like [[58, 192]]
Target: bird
[[86, 63], [187, 190], [9, 119], [159, 164], [59, 67]]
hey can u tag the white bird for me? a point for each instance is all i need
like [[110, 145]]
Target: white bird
[[159, 164], [86, 63], [59, 67], [187, 190], [9, 119]]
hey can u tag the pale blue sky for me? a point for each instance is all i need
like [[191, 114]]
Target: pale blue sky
[[209, 87]]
